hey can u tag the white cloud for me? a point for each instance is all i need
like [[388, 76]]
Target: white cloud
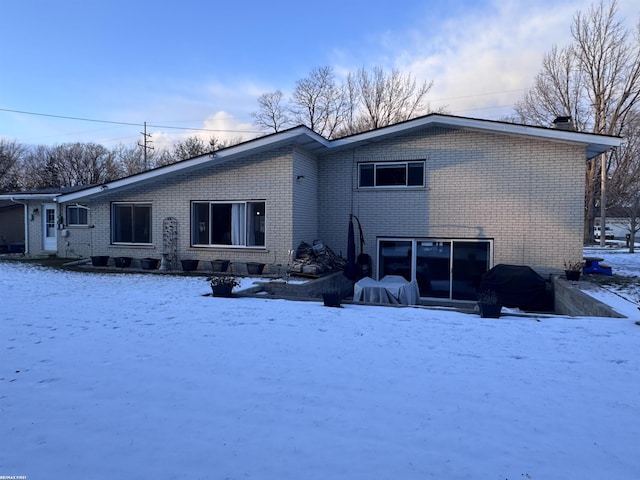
[[227, 127], [482, 62]]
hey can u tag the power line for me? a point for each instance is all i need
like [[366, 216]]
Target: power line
[[65, 117]]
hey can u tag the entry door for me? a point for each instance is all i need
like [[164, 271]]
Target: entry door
[[49, 237]]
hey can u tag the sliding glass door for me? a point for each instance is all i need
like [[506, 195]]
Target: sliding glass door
[[443, 268]]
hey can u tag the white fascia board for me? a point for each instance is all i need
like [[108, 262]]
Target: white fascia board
[[594, 142], [29, 196], [213, 159]]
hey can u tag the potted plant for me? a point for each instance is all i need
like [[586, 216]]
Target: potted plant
[[189, 265], [219, 265], [489, 304], [255, 268], [122, 262], [149, 263], [573, 270], [99, 260], [332, 299], [222, 286]]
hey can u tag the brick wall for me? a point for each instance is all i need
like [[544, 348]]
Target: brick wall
[[260, 177], [527, 195]]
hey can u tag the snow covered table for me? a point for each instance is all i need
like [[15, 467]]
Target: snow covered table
[[392, 289]]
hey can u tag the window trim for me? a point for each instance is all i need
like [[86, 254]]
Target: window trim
[[246, 209], [76, 207], [131, 204], [389, 164]]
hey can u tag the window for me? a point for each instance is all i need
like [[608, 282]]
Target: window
[[131, 223], [239, 224], [391, 174], [77, 215]]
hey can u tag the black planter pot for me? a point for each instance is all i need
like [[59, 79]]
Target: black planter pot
[[189, 265], [99, 260], [489, 310], [122, 262], [255, 268], [149, 263], [573, 275], [219, 265], [331, 299], [221, 291]]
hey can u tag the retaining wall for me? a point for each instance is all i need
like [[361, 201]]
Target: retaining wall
[[570, 300]]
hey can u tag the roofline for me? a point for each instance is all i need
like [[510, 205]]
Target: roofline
[[595, 145], [215, 158], [609, 141], [28, 196]]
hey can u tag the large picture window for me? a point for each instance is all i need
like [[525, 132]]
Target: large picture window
[[240, 224], [131, 223], [391, 174]]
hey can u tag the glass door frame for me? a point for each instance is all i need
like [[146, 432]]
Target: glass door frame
[[414, 241]]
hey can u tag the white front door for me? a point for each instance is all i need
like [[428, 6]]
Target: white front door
[[49, 236]]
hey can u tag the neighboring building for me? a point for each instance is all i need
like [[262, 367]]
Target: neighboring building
[[440, 199], [11, 227]]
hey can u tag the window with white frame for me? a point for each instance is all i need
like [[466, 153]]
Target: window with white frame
[[238, 224], [391, 174], [77, 215], [131, 223]]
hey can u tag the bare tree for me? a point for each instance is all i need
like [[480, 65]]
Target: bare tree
[[389, 98], [624, 184], [192, 147], [272, 115], [319, 102], [80, 164], [11, 155], [364, 101], [130, 159], [596, 80]]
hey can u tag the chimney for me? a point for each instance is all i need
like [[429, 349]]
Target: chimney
[[563, 123]]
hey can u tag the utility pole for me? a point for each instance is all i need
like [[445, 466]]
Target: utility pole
[[603, 199], [603, 170], [145, 144]]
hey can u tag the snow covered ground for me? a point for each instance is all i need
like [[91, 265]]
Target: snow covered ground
[[143, 377], [624, 299]]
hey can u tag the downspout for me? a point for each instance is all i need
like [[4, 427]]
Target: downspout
[[26, 224]]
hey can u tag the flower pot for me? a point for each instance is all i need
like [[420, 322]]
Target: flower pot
[[331, 299], [573, 275], [189, 265], [490, 310], [255, 268], [219, 265], [221, 291], [99, 260], [149, 263], [122, 262]]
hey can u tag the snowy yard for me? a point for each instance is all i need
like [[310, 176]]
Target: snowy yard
[[143, 377]]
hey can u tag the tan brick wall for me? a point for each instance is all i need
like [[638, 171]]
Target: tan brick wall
[[262, 177], [305, 198], [526, 195]]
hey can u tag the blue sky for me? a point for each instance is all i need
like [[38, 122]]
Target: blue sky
[[203, 64]]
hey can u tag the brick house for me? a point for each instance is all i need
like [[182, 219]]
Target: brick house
[[441, 199]]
